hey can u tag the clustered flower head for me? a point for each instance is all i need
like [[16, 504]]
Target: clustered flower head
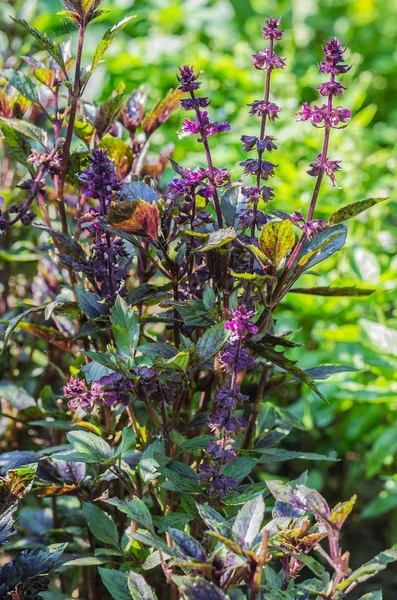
[[197, 182], [267, 60], [241, 321], [108, 390], [201, 125], [310, 228], [221, 421], [327, 115], [99, 179]]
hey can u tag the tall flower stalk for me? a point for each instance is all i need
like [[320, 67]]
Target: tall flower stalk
[[267, 61], [202, 127]]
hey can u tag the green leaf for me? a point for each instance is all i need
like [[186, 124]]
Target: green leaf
[[85, 561], [187, 546], [245, 494], [334, 291], [385, 446], [139, 588], [270, 455], [148, 465], [372, 596], [326, 243], [89, 303], [91, 445], [155, 351], [197, 443], [214, 520], [197, 588], [325, 371], [107, 40], [154, 542], [20, 82], [276, 239], [384, 502], [136, 509], [127, 444], [101, 524], [29, 569], [211, 341], [108, 114], [369, 569], [285, 363], [95, 371], [209, 298], [116, 583], [312, 564], [27, 129], [16, 396], [179, 362], [249, 519], [240, 468], [352, 210], [13, 487], [17, 144], [175, 520], [217, 239], [53, 48], [125, 328]]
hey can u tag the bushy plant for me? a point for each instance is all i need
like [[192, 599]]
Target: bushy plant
[[160, 303]]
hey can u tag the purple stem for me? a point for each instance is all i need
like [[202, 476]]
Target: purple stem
[[211, 176]]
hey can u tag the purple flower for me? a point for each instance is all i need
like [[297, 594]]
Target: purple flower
[[313, 228], [221, 484], [145, 382], [272, 31], [254, 166], [188, 79], [194, 103], [99, 180], [329, 167], [333, 54], [202, 125], [261, 108], [74, 387], [96, 267], [231, 357], [331, 88], [241, 321], [114, 388], [266, 60]]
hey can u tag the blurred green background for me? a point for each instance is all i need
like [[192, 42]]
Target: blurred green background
[[359, 424]]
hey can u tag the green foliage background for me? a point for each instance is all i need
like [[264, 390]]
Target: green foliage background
[[218, 37]]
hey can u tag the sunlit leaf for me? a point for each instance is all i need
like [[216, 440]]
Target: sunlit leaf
[[352, 210], [276, 239], [107, 40], [161, 111]]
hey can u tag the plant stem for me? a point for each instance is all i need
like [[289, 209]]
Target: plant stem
[[257, 407], [262, 559], [74, 98], [262, 137], [211, 175]]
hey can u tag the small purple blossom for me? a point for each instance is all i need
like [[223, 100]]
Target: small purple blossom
[[187, 79], [262, 168], [241, 321], [329, 167], [271, 30], [261, 108], [99, 180], [201, 125], [266, 60]]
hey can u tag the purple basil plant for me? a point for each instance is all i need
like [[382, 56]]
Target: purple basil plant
[[147, 449]]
